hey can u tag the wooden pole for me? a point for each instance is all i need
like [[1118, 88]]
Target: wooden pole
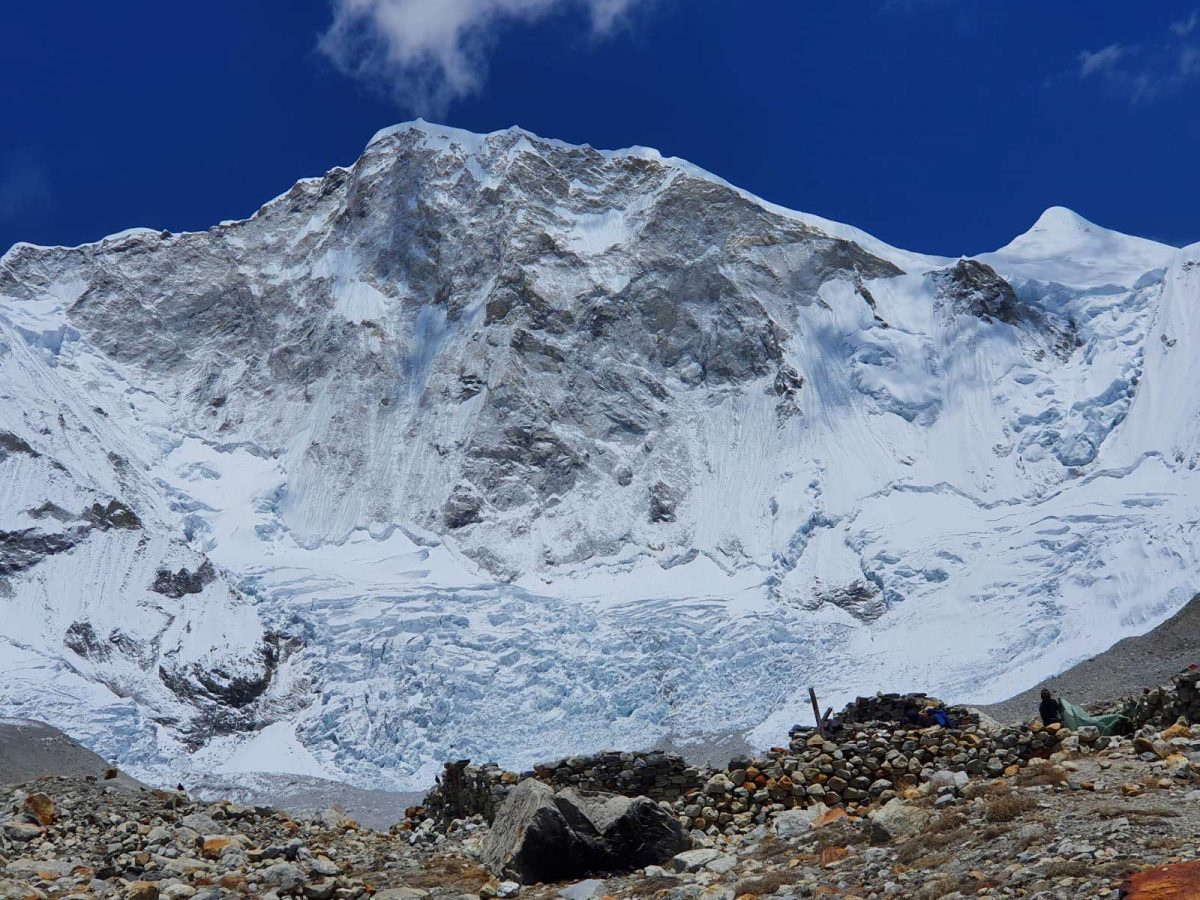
[[812, 696]]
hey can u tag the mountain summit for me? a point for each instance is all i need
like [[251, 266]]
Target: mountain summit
[[489, 445], [1063, 245]]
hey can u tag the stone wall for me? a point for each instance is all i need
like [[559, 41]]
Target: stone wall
[[466, 790], [901, 708], [862, 765], [657, 775], [1161, 707]]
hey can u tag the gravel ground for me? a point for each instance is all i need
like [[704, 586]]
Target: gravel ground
[[1122, 670], [30, 749], [304, 796]]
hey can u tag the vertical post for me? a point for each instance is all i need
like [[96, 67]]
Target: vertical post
[[812, 696], [454, 791]]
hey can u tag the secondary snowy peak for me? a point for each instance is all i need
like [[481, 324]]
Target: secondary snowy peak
[[491, 445], [1064, 247]]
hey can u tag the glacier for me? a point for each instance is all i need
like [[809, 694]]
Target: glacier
[[493, 446]]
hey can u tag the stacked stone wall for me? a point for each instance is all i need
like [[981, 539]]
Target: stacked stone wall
[[466, 790], [1161, 707], [861, 765]]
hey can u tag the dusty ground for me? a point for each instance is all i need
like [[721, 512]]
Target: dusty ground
[[303, 796], [30, 749], [1125, 668]]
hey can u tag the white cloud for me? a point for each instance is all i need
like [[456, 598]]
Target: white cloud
[[1184, 27], [1147, 71], [1102, 60], [428, 53]]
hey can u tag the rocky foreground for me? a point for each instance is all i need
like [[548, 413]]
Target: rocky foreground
[[967, 810]]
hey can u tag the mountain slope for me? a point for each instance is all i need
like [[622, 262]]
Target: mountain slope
[[492, 445]]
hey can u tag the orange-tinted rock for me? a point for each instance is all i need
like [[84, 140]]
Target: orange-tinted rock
[[41, 807], [214, 846], [826, 818], [1179, 729], [1175, 882], [831, 856]]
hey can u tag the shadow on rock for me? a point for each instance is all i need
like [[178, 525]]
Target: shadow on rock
[[542, 835]]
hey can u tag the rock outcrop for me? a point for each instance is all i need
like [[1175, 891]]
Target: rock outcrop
[[1164, 705], [545, 835]]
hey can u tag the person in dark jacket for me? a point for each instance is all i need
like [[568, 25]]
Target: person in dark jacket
[[1049, 709]]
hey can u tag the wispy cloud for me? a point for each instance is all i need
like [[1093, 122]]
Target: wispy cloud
[[1184, 27], [1146, 71], [24, 186], [1102, 60], [429, 53]]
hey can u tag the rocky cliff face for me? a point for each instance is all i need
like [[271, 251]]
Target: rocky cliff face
[[488, 416], [465, 335]]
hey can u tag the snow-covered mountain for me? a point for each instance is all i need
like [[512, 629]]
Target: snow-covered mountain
[[494, 446]]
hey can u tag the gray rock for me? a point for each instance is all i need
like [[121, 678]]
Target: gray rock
[[323, 866], [694, 860], [202, 824], [540, 835], [285, 876], [721, 864], [25, 868], [663, 501], [896, 820], [946, 778], [583, 890], [793, 823], [637, 831], [21, 832]]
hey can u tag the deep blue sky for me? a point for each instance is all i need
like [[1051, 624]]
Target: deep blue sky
[[938, 125]]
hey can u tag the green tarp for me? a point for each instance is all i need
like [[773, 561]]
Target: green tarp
[[1074, 718]]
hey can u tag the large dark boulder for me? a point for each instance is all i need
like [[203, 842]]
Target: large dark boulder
[[542, 835], [636, 830]]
